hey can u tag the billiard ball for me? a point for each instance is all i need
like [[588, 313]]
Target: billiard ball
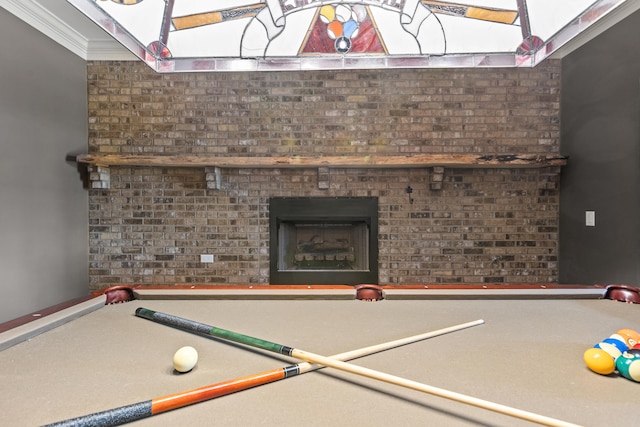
[[185, 359], [635, 349], [327, 13], [628, 365], [614, 347], [630, 336], [599, 361], [334, 29]]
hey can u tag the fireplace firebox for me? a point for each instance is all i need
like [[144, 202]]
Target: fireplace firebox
[[323, 240]]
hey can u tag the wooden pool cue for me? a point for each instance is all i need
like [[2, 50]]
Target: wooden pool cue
[[203, 329], [138, 411]]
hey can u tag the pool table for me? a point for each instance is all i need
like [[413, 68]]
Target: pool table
[[527, 354]]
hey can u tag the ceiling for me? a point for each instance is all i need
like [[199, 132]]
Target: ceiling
[[308, 40]]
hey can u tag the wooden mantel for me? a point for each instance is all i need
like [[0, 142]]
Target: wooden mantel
[[369, 161], [100, 177]]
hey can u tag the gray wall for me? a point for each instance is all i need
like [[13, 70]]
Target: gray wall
[[43, 208], [600, 116]]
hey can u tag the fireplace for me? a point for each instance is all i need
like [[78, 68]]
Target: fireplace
[[323, 240]]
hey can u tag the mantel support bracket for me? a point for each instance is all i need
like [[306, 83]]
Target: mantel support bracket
[[324, 178], [99, 176], [213, 177], [436, 177]]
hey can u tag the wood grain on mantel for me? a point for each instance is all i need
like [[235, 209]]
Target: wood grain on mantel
[[369, 161]]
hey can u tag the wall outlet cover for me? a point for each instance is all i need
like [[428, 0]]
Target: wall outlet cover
[[206, 258]]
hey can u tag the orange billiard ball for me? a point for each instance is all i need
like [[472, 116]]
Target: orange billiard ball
[[630, 336]]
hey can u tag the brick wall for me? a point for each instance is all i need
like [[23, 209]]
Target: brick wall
[[483, 226]]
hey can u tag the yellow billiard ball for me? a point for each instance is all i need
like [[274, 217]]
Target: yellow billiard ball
[[599, 361]]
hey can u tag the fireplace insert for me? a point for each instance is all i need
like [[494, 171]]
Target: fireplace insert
[[323, 240]]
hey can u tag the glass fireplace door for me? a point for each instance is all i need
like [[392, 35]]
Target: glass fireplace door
[[323, 246], [323, 240]]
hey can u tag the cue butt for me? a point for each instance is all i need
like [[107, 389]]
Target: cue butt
[[111, 417], [204, 329]]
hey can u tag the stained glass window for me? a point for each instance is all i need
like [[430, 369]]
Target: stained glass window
[[210, 35]]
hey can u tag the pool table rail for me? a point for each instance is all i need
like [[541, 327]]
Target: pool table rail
[[28, 326]]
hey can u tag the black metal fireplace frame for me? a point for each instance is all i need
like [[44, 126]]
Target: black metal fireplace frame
[[323, 209]]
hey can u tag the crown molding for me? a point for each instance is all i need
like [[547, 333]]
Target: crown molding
[[108, 50], [44, 21]]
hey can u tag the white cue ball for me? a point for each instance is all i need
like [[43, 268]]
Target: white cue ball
[[185, 359]]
